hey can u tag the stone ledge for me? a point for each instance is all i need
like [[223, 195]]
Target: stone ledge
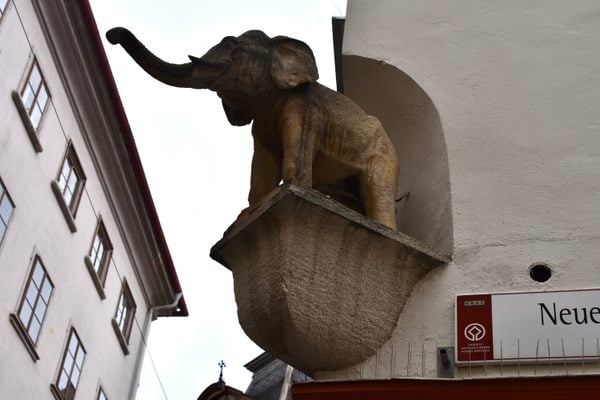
[[31, 130], [318, 285]]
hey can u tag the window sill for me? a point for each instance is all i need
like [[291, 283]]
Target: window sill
[[63, 207], [56, 392], [120, 337], [22, 332], [95, 278], [31, 131]]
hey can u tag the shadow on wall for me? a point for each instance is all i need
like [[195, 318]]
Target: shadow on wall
[[413, 123]]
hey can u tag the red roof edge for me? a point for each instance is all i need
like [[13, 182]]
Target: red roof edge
[[500, 388], [134, 157]]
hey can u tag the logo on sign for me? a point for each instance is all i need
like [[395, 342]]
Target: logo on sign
[[474, 332]]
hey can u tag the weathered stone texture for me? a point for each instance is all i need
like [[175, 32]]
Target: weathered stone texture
[[318, 285]]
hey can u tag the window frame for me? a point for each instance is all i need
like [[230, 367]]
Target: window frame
[[66, 394], [26, 115], [23, 327], [101, 394], [99, 272], [122, 322], [5, 196], [3, 10], [69, 209]]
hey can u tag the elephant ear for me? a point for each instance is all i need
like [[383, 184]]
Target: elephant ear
[[292, 63]]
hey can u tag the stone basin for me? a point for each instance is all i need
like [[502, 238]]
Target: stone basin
[[318, 285]]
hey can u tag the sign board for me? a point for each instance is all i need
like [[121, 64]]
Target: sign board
[[552, 326]]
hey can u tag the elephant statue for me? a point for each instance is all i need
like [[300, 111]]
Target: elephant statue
[[304, 133]]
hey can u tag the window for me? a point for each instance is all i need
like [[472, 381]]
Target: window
[[35, 95], [101, 394], [33, 305], [6, 209], [70, 370], [68, 186], [70, 180], [98, 259], [35, 301], [32, 101], [123, 320], [3, 4]]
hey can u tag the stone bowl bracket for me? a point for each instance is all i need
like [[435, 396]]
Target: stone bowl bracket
[[318, 285]]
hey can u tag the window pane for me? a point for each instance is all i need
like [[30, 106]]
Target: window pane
[[66, 171], [25, 313], [32, 294], [119, 316], [36, 78], [40, 310], [95, 246], [2, 6], [64, 175], [67, 196], [80, 357], [120, 310], [38, 273], [72, 182], [62, 381], [42, 97], [34, 329], [46, 290], [28, 96], [122, 325], [36, 116], [99, 250], [6, 209], [68, 364], [75, 376], [62, 180], [73, 344]]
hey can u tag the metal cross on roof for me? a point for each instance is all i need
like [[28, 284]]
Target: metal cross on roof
[[221, 365]]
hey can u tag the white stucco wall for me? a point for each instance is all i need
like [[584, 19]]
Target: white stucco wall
[[517, 88], [38, 227]]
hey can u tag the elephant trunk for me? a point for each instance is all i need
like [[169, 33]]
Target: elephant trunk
[[181, 75]]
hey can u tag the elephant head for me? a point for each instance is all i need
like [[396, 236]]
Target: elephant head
[[240, 69]]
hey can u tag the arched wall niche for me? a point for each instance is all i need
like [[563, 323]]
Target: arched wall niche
[[412, 121]]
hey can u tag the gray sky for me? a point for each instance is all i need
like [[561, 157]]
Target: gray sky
[[198, 168]]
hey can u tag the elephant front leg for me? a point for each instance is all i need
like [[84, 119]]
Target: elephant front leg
[[265, 175], [298, 142], [378, 185]]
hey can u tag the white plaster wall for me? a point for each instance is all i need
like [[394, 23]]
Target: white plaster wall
[[38, 227], [517, 88]]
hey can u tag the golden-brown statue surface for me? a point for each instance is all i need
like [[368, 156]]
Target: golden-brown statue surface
[[304, 133]]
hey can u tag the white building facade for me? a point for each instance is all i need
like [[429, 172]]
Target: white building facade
[[493, 109], [85, 266]]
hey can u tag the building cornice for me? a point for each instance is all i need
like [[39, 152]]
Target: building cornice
[[90, 85], [134, 157]]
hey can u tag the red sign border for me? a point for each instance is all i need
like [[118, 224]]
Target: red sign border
[[491, 359]]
